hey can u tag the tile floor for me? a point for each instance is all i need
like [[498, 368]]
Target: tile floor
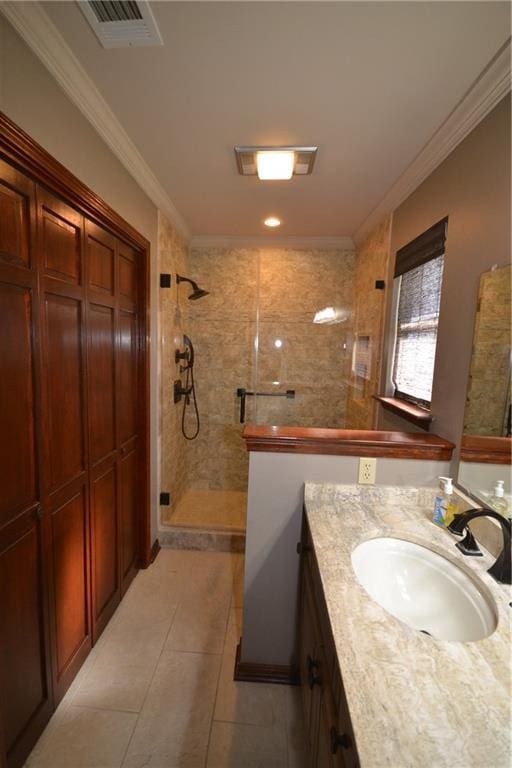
[[210, 509], [157, 691]]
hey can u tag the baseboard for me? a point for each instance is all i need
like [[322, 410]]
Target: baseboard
[[263, 673], [155, 549]]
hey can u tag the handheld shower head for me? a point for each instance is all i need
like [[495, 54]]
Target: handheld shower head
[[197, 292]]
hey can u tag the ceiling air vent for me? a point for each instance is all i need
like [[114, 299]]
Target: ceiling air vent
[[120, 24]]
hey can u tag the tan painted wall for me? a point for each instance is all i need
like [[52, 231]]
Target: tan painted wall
[[33, 100], [472, 188]]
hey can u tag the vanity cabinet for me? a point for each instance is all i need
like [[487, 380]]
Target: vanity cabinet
[[329, 732]]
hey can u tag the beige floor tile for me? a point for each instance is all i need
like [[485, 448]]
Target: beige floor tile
[[120, 686], [199, 626], [84, 738], [174, 724], [295, 730], [246, 746], [246, 703], [128, 644], [200, 621], [151, 598], [185, 752]]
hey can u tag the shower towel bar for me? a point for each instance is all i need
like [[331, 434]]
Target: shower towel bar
[[243, 393]]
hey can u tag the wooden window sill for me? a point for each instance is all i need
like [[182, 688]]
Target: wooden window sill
[[421, 417]]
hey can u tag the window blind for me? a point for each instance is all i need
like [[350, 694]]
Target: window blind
[[416, 336], [429, 245]]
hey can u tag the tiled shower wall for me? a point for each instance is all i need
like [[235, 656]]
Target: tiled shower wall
[[369, 302], [488, 395]]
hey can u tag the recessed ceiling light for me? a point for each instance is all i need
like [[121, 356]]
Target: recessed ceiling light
[[272, 221], [273, 165]]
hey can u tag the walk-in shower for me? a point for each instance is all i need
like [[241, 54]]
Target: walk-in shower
[[259, 358]]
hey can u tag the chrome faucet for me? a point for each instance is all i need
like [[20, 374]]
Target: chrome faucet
[[501, 570]]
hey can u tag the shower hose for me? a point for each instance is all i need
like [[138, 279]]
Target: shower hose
[[189, 382]]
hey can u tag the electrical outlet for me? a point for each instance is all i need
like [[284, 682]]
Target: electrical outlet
[[367, 469]]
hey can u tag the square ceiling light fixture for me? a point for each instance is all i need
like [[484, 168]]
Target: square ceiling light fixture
[[273, 163]]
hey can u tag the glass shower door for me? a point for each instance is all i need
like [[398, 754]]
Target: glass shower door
[[295, 353]]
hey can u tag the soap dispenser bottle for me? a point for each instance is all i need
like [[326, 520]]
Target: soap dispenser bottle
[[445, 507], [497, 500]]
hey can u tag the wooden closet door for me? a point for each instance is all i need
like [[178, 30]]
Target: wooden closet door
[[60, 250], [128, 390], [103, 458], [25, 679]]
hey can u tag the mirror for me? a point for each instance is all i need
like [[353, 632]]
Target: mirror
[[486, 441]]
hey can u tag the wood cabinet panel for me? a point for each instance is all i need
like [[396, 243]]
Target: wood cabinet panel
[[100, 259], [17, 446], [129, 523], [61, 241], [65, 403], [127, 273], [101, 382], [22, 639], [127, 365], [69, 545], [104, 538], [16, 192]]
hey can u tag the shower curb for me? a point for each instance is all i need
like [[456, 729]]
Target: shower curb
[[202, 540]]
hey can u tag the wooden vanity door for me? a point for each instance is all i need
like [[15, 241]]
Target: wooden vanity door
[[24, 637], [63, 377]]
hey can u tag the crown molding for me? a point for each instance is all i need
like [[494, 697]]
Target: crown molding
[[341, 243], [486, 92], [42, 36]]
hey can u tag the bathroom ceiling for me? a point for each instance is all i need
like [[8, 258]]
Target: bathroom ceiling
[[368, 82]]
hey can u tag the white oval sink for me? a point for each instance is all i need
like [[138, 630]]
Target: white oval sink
[[423, 589]]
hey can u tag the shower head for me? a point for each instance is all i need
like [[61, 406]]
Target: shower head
[[197, 292]]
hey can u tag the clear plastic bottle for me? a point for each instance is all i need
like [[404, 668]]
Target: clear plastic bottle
[[497, 500], [445, 507]]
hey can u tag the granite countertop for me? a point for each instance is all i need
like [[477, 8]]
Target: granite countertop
[[414, 701]]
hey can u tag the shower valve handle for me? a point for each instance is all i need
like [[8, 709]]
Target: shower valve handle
[[181, 391]]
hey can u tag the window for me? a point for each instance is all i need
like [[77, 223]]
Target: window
[[418, 274]]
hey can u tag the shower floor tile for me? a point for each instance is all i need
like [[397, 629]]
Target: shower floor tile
[[210, 509]]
